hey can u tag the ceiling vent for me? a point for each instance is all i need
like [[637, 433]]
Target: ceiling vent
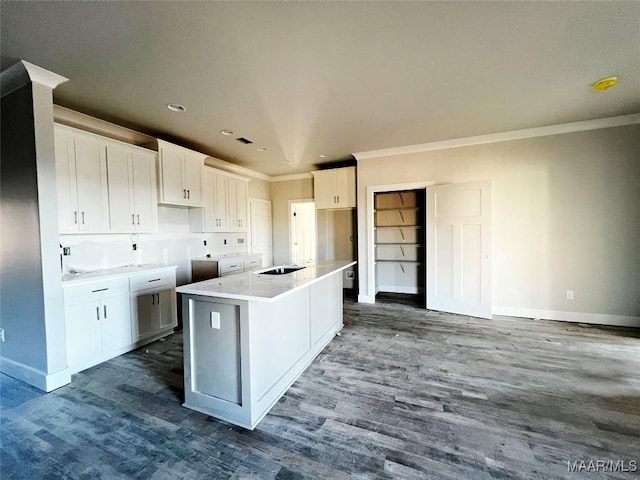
[[246, 141]]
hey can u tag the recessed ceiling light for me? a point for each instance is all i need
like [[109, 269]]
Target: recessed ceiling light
[[324, 156], [176, 107], [262, 149], [227, 132], [605, 84]]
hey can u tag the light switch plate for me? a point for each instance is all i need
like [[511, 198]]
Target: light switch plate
[[215, 320]]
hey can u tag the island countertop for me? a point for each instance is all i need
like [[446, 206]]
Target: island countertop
[[254, 286]]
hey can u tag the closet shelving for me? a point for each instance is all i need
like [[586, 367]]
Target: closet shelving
[[399, 241]]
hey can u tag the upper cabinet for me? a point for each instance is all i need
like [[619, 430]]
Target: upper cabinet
[[335, 188], [81, 178], [180, 181], [225, 203], [132, 189], [104, 185]]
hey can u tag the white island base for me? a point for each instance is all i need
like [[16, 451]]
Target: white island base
[[241, 355]]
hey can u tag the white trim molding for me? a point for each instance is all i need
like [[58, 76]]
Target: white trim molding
[[46, 382], [504, 136], [23, 72], [295, 176], [575, 317]]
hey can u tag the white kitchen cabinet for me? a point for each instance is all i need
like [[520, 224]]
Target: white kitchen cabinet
[[180, 181], [153, 304], [335, 188], [132, 189], [238, 204], [81, 179], [225, 203], [98, 322]]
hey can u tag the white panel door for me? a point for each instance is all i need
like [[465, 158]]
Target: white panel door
[[209, 212], [171, 183], [116, 323], [261, 233], [221, 203], [459, 248], [84, 334], [324, 189], [242, 194], [303, 233], [193, 166]]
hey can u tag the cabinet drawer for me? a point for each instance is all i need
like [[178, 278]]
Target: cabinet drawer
[[88, 292], [251, 263], [153, 280], [229, 266]]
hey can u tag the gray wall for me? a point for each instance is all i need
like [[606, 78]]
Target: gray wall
[[566, 215], [31, 311]]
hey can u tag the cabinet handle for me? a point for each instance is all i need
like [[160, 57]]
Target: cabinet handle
[[100, 290], [98, 313], [153, 299], [188, 193], [155, 280], [75, 217], [338, 199], [132, 220], [83, 218], [233, 266], [138, 219], [184, 193], [158, 302], [105, 311]]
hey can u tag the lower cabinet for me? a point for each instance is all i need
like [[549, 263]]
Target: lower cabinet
[[108, 317], [152, 312]]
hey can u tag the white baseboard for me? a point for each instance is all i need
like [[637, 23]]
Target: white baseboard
[[576, 317], [366, 298], [400, 289], [37, 378]]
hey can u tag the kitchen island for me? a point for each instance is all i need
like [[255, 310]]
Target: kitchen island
[[249, 336]]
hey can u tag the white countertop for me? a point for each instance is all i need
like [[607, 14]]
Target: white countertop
[[264, 288], [223, 256], [125, 271]]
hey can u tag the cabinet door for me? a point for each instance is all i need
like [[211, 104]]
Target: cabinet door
[[193, 166], [221, 203], [240, 199], [91, 177], [116, 323], [210, 219], [145, 199], [83, 334], [121, 211], [345, 187], [144, 315], [171, 181], [167, 308], [66, 182], [324, 189]]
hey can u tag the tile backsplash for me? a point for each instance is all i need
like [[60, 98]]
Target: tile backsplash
[[173, 244]]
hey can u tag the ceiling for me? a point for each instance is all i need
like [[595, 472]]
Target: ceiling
[[304, 79]]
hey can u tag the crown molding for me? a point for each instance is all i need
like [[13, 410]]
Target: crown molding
[[504, 136], [233, 168], [23, 73], [295, 176]]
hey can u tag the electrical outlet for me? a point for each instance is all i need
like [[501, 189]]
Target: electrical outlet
[[350, 275], [66, 251], [241, 240], [2, 335], [569, 294], [215, 320]]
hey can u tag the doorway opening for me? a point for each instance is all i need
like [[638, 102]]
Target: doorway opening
[[399, 243], [302, 231]]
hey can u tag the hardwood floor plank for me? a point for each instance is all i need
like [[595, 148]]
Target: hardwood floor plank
[[402, 393]]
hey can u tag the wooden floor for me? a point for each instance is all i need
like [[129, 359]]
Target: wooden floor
[[402, 393]]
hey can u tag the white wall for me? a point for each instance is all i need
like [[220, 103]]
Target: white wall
[[174, 244], [566, 216]]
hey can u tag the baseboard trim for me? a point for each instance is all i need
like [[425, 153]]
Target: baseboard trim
[[398, 289], [366, 299], [37, 378], [575, 317]]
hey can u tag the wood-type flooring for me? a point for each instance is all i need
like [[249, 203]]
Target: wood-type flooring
[[402, 393]]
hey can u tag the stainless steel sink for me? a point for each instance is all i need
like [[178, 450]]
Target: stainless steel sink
[[280, 270]]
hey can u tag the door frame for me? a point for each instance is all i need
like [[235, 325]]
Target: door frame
[[315, 226], [371, 256]]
